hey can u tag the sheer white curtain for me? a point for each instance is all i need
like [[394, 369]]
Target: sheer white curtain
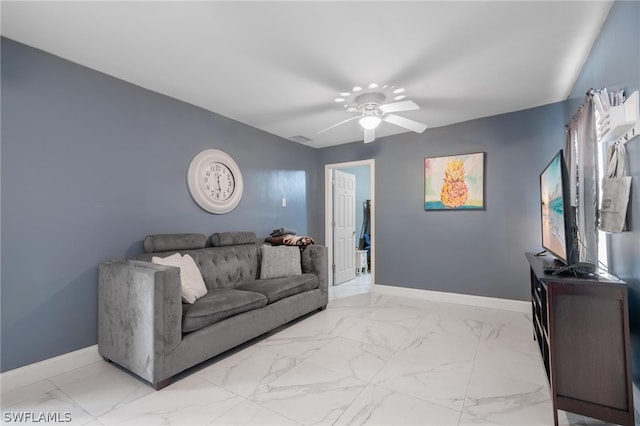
[[581, 155]]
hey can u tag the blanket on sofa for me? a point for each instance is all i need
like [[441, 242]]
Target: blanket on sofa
[[290, 240], [282, 232]]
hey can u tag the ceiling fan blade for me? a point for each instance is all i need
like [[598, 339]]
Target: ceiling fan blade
[[338, 124], [405, 122], [369, 135], [399, 106]]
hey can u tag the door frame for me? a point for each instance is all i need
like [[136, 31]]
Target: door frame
[[328, 210]]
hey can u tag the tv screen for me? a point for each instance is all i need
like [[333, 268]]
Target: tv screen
[[554, 214]]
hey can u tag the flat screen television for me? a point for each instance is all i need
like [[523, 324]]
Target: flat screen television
[[557, 226]]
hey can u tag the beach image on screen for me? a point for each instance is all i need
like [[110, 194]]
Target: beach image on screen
[[553, 232]]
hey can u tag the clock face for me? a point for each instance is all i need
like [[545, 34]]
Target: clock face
[[217, 181], [214, 181]]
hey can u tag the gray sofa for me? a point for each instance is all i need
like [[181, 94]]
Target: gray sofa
[[144, 326]]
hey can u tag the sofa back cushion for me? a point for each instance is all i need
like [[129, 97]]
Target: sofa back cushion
[[226, 267], [222, 267], [234, 260]]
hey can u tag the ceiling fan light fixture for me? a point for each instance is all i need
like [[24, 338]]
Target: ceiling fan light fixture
[[371, 109], [370, 121]]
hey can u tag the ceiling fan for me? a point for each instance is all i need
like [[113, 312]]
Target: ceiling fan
[[372, 111]]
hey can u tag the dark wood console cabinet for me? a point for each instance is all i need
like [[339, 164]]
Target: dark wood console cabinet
[[582, 328]]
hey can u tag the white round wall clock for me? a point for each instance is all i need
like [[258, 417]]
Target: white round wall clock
[[215, 181]]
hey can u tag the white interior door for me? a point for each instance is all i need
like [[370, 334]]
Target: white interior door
[[344, 227]]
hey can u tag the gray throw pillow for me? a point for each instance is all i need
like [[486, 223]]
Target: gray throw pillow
[[280, 262]]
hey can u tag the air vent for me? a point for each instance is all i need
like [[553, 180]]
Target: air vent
[[300, 139]]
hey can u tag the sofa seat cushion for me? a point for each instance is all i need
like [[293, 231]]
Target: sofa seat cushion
[[278, 288], [217, 305]]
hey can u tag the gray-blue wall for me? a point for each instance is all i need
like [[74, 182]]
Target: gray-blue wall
[[614, 62], [90, 165], [471, 252]]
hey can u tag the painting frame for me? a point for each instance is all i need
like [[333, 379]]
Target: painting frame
[[455, 182]]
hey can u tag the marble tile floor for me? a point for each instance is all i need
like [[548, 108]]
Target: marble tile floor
[[368, 359]]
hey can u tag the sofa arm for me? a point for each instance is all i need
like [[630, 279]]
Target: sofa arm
[[139, 315], [314, 260]]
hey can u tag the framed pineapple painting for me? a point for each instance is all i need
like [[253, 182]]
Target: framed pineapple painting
[[454, 182]]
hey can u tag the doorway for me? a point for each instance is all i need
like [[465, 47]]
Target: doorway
[[330, 219]]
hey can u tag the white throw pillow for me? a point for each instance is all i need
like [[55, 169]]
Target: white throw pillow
[[192, 285], [280, 262]]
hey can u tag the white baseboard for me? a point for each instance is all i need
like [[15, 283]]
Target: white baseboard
[[42, 370], [461, 299]]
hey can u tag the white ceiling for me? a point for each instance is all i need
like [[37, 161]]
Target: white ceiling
[[278, 66]]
